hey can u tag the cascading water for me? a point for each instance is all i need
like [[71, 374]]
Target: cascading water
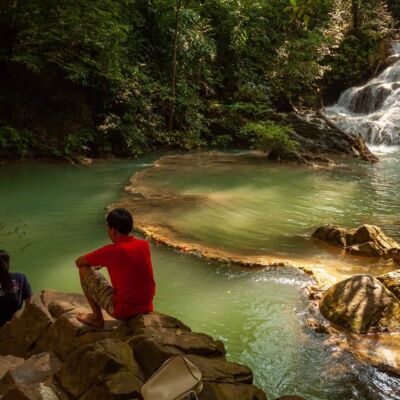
[[373, 110]]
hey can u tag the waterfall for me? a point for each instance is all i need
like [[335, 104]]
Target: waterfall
[[373, 110]]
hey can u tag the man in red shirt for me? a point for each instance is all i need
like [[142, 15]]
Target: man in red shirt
[[128, 263]]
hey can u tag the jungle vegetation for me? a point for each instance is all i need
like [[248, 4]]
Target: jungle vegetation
[[125, 77]]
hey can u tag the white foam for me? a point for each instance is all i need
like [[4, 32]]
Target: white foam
[[379, 100]]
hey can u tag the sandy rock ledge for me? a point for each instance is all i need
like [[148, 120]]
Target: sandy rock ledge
[[46, 353]]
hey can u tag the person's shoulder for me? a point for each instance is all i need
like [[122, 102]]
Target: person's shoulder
[[18, 276], [141, 243]]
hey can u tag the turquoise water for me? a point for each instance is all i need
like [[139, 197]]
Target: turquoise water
[[51, 213]]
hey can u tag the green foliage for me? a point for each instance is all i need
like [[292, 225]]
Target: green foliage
[[110, 64], [14, 143], [83, 38], [269, 137]]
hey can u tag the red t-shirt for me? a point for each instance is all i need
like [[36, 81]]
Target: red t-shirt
[[129, 265]]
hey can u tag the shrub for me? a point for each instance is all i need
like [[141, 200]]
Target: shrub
[[269, 137], [14, 143]]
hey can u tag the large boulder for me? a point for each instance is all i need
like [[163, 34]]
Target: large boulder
[[36, 369], [361, 304], [19, 336], [106, 364], [367, 240], [32, 379], [157, 337], [67, 334], [107, 367], [8, 364]]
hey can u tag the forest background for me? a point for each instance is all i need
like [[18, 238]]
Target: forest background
[[125, 77]]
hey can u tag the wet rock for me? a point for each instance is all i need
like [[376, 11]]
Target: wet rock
[[19, 336], [94, 367], [318, 136], [394, 58], [367, 240], [361, 304], [391, 281]]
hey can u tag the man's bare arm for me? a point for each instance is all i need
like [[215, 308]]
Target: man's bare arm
[[81, 262]]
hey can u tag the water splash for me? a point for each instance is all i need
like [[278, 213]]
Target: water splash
[[373, 110]]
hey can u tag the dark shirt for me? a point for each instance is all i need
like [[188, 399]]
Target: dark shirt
[[12, 298]]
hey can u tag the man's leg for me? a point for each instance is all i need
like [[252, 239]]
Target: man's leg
[[96, 318]]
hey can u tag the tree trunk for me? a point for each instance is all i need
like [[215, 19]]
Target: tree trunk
[[170, 124], [355, 11]]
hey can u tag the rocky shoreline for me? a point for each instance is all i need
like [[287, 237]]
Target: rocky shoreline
[[46, 353]]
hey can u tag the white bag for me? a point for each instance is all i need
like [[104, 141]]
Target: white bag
[[176, 379]]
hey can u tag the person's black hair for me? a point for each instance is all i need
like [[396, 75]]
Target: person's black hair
[[121, 220], [5, 277]]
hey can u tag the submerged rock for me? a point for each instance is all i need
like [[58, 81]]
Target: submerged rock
[[367, 240], [80, 362], [361, 304]]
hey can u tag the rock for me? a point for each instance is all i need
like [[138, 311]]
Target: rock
[[391, 281], [147, 323], [229, 391], [75, 300], [19, 336], [38, 391], [331, 234], [116, 386], [9, 363], [68, 334], [367, 240], [216, 370], [158, 337], [101, 363], [94, 367], [36, 369], [394, 58], [361, 304]]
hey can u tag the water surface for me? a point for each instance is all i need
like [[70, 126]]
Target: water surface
[[51, 213]]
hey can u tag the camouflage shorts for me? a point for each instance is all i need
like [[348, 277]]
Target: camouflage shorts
[[96, 286]]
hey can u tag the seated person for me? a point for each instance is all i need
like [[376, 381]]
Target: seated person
[[14, 289], [128, 263]]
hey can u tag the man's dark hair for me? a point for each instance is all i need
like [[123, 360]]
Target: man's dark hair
[[121, 220]]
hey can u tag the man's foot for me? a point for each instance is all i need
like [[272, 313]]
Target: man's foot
[[91, 319]]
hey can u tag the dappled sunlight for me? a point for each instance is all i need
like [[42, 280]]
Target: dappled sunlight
[[244, 207]]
